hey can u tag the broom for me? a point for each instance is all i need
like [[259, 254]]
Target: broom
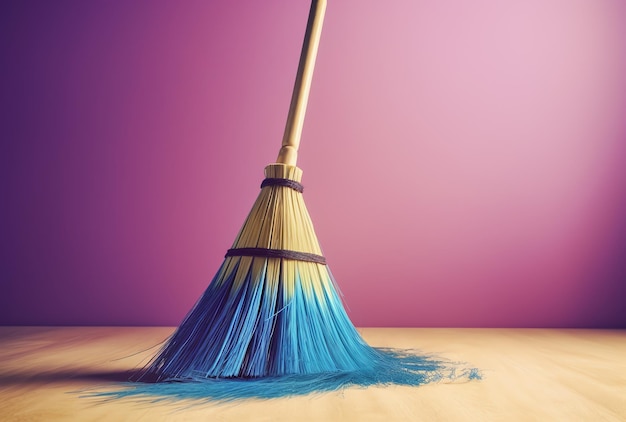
[[271, 322]]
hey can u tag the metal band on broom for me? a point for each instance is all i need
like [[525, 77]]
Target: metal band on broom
[[271, 322]]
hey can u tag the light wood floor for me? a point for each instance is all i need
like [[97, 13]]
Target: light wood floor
[[528, 375]]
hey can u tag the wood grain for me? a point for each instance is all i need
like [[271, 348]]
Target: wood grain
[[529, 375]]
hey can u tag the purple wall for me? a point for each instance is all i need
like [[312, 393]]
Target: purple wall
[[464, 162]]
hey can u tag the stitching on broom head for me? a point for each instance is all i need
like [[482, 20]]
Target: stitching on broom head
[[282, 182], [277, 253]]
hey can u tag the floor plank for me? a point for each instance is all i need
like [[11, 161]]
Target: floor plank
[[528, 375]]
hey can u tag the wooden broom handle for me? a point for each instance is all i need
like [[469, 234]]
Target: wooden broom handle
[[293, 129]]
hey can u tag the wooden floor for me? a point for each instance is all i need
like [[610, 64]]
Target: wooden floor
[[528, 375]]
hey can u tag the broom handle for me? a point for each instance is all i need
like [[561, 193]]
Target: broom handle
[[293, 129]]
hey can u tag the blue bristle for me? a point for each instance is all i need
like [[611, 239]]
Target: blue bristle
[[393, 367], [258, 338]]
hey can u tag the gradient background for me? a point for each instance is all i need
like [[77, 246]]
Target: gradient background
[[464, 162]]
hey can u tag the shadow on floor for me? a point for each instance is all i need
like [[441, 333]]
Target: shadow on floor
[[51, 377]]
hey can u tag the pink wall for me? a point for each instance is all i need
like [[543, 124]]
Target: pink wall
[[464, 162]]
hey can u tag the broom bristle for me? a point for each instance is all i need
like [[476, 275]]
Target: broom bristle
[[271, 318], [267, 316]]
